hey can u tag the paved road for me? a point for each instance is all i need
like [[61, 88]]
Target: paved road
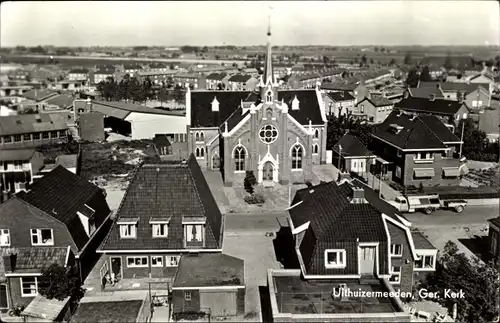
[[253, 223], [471, 215]]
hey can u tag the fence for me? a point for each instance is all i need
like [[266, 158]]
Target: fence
[[327, 303], [373, 181]]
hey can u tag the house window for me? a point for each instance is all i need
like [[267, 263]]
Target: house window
[[396, 250], [425, 262], [400, 153], [395, 275], [194, 232], [397, 174], [156, 261], [17, 138], [494, 242], [27, 137], [138, 261], [200, 152], [296, 157], [45, 135], [464, 116], [62, 134], [239, 159], [42, 237], [4, 237], [335, 258], [128, 230], [362, 108], [424, 156], [172, 261], [316, 134], [53, 134], [160, 230], [187, 296], [7, 139], [315, 149], [29, 286]]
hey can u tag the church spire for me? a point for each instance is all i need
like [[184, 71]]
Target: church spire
[[268, 65]]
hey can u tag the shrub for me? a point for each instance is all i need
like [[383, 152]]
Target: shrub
[[189, 316], [255, 199], [421, 188], [309, 184], [249, 182]]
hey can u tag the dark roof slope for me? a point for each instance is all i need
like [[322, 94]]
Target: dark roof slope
[[209, 270], [340, 96], [351, 147], [425, 92], [63, 101], [16, 154], [413, 135], [108, 312], [216, 76], [436, 106], [34, 259], [38, 95], [309, 108], [29, 123], [438, 128], [62, 194], [464, 87], [335, 221], [166, 190], [495, 221], [240, 78]]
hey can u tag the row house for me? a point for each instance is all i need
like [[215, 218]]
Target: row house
[[374, 109], [217, 81], [32, 130], [304, 81], [418, 149], [338, 103], [475, 95], [59, 220], [190, 80], [70, 85], [173, 234], [78, 74], [14, 90], [343, 236], [349, 154], [158, 67], [17, 168], [102, 75], [242, 82], [450, 112], [358, 90], [157, 77], [132, 69]]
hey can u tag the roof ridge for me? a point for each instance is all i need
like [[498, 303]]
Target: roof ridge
[[36, 207], [427, 127]]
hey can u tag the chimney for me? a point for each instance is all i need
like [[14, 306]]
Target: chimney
[[407, 94], [460, 97], [432, 97], [10, 262]]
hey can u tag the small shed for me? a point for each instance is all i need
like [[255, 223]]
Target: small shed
[[209, 283], [42, 309], [350, 155]]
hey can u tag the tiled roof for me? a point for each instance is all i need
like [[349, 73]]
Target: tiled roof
[[464, 87], [413, 135], [216, 76], [104, 72], [420, 241], [67, 161], [61, 194], [170, 190], [79, 71], [39, 95], [437, 127], [209, 270], [16, 154], [63, 101], [425, 105], [309, 108], [487, 75], [110, 108], [240, 78], [495, 221], [340, 96], [336, 223], [28, 123], [339, 86], [351, 147], [34, 259], [425, 92]]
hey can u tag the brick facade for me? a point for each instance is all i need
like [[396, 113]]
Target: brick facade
[[398, 236], [182, 305]]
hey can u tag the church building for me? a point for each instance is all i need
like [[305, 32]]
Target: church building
[[278, 134]]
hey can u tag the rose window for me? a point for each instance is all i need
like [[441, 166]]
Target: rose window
[[268, 134]]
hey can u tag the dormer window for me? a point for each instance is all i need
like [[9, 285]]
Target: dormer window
[[159, 227], [128, 228], [295, 103], [269, 96], [215, 105], [194, 230], [42, 237], [335, 258]]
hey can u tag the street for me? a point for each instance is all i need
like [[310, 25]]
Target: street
[[254, 223], [471, 215]]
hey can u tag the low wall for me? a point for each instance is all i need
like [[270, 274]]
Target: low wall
[[478, 202]]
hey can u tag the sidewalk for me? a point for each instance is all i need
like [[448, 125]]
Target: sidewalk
[[387, 192]]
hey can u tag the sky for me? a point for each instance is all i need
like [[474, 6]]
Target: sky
[[240, 23]]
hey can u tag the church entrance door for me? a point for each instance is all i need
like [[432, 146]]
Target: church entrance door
[[267, 171]]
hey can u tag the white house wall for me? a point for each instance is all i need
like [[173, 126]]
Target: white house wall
[[145, 126]]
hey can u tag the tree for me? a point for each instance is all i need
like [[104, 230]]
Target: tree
[[479, 283], [326, 60], [447, 62], [372, 61], [249, 182], [382, 49], [338, 126], [392, 62], [60, 282], [421, 188], [364, 60], [408, 59], [425, 75], [412, 79]]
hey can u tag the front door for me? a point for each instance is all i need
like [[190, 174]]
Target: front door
[[267, 171], [367, 260], [116, 266], [215, 161], [4, 303]]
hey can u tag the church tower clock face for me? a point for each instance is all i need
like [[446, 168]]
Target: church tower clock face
[[268, 134]]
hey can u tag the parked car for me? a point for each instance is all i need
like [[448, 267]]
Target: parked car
[[426, 204]]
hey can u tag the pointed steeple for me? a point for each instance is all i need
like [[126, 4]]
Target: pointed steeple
[[268, 65]]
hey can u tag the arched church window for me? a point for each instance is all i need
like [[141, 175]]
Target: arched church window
[[197, 136], [268, 134], [316, 133], [202, 152], [239, 158], [297, 156], [197, 152], [269, 113], [269, 96], [202, 136], [315, 149]]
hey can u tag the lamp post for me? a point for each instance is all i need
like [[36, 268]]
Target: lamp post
[[340, 157], [462, 137]]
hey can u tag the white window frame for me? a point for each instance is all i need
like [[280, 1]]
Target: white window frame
[[423, 268], [38, 233], [155, 259], [157, 227], [197, 226], [168, 260], [187, 296], [4, 237], [396, 274], [138, 266], [337, 265], [297, 157], [22, 289], [132, 231], [393, 250], [399, 153]]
